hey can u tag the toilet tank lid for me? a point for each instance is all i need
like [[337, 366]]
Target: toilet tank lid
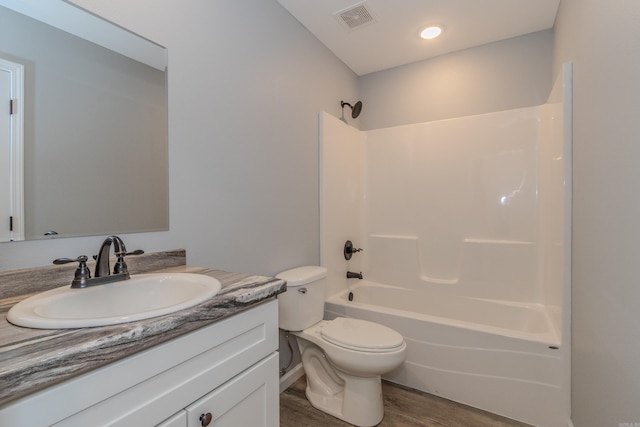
[[302, 275]]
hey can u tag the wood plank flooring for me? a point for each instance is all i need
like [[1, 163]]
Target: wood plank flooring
[[403, 407]]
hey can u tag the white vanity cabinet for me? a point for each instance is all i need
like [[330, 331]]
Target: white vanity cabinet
[[226, 373]]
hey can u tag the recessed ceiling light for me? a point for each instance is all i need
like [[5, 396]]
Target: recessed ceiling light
[[431, 33]]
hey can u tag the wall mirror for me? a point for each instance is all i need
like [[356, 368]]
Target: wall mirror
[[94, 144]]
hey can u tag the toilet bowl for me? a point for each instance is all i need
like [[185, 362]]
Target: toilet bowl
[[343, 359], [343, 379]]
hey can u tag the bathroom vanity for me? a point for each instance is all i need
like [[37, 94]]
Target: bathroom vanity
[[214, 364]]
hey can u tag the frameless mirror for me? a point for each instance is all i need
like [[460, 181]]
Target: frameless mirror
[[91, 139]]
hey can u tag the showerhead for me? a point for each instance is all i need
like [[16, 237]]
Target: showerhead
[[355, 109]]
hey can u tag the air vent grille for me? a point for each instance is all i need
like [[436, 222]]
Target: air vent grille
[[356, 17]]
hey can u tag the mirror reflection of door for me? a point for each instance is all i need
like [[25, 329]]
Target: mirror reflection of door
[[11, 152]]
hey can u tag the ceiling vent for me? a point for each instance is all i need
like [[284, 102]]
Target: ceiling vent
[[355, 17]]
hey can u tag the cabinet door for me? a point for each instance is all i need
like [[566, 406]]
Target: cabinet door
[[249, 399]]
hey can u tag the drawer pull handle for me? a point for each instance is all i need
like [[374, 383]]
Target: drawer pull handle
[[205, 419]]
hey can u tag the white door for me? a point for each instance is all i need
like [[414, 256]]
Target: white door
[[11, 169], [5, 156]]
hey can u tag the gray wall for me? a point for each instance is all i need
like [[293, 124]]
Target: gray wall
[[246, 83], [603, 40], [498, 76]]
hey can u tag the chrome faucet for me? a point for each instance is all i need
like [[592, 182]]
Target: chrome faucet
[[103, 274]]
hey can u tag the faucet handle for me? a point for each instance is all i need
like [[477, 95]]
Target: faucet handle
[[349, 250], [121, 266], [80, 259], [82, 272], [136, 252]]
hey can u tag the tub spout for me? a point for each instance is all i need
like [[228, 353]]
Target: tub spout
[[352, 275]]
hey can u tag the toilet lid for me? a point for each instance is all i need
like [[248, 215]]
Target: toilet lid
[[361, 335]]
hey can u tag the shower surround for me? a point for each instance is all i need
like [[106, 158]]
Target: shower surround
[[465, 226]]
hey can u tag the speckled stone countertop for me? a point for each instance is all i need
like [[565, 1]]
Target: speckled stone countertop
[[31, 359]]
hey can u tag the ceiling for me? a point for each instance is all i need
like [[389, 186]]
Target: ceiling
[[392, 39]]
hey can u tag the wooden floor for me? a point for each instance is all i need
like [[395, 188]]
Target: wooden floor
[[403, 407]]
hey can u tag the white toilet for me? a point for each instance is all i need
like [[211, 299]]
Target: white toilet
[[342, 358]]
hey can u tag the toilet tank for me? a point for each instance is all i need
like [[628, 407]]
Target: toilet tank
[[303, 303]]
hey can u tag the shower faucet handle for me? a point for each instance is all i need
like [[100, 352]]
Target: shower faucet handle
[[349, 250]]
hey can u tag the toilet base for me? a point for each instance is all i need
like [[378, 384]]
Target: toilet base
[[343, 382], [359, 402], [356, 400]]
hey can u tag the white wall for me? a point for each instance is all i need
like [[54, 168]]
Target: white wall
[[603, 40], [498, 76], [246, 82]]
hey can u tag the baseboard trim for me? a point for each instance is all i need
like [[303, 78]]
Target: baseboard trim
[[291, 377]]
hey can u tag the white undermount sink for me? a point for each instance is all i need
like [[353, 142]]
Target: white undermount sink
[[141, 297]]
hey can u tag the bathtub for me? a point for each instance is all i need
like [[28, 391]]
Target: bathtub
[[505, 358]]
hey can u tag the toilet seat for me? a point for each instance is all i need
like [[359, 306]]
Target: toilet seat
[[361, 335]]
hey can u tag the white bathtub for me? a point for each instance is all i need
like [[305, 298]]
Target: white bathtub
[[501, 357]]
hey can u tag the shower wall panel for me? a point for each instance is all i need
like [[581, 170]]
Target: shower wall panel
[[458, 199], [341, 198]]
